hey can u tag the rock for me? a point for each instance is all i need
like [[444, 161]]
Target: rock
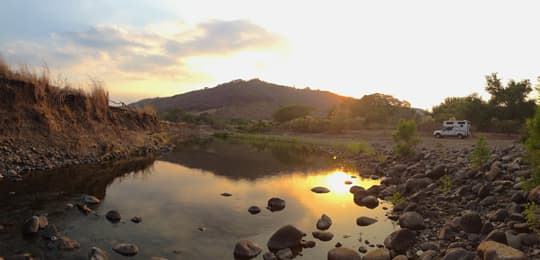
[[534, 195], [50, 232], [437, 172], [338, 244], [284, 254], [43, 222], [247, 249], [493, 250], [113, 216], [324, 222], [528, 239], [483, 191], [428, 255], [411, 220], [429, 246], [158, 258], [320, 189], [355, 189], [226, 194], [136, 219], [126, 249], [368, 201], [286, 237], [24, 256], [67, 244], [416, 184], [400, 240], [31, 225], [458, 254], [494, 171], [275, 204], [323, 235], [377, 254], [497, 236], [400, 257], [309, 244], [254, 210], [513, 240], [365, 221], [471, 222], [269, 256], [98, 254], [91, 200], [343, 253]]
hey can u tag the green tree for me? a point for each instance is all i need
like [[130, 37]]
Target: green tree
[[288, 113], [510, 102], [471, 108], [381, 108], [405, 138], [480, 153]]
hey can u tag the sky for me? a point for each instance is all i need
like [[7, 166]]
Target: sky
[[420, 51]]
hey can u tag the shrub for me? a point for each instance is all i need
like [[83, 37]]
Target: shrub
[[480, 153], [533, 150], [405, 138], [531, 214], [446, 184], [396, 198]]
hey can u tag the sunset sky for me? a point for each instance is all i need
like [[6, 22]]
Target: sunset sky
[[421, 51]]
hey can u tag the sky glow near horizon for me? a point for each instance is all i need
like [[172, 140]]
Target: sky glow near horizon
[[420, 51]]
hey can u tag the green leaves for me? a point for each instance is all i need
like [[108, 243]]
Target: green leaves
[[405, 138], [480, 153]]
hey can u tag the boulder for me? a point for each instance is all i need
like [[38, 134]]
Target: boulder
[[324, 222], [365, 221], [416, 184], [411, 220], [269, 256], [254, 210], [437, 172], [493, 250], [368, 201], [247, 249], [471, 222], [400, 240], [377, 254], [91, 200], [494, 171], [286, 237], [534, 195], [284, 254], [458, 254], [343, 253]]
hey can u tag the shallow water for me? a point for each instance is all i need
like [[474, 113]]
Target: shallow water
[[179, 194]]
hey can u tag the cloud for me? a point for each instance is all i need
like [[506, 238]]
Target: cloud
[[125, 50]]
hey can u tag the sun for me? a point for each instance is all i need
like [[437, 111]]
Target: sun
[[339, 181]]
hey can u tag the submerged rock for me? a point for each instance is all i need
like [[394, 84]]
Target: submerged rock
[[365, 221], [254, 210], [66, 243], [323, 235], [368, 201], [43, 222], [275, 204], [126, 249], [286, 237], [97, 253], [324, 222], [113, 216], [320, 189], [284, 254], [246, 249], [343, 253], [226, 194], [91, 200], [136, 219], [269, 256], [31, 225]]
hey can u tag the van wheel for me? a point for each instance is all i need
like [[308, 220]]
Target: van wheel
[[438, 135], [460, 136]]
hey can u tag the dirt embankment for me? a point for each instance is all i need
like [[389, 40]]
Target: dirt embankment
[[44, 127]]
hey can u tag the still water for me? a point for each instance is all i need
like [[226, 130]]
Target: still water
[[183, 214]]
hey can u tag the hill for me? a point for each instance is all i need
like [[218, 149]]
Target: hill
[[252, 99]]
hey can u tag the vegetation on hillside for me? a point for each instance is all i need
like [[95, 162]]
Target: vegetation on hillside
[[289, 113]]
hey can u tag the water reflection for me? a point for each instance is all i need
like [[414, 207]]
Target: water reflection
[[181, 193]]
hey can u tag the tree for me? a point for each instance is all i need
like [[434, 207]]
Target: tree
[[381, 108], [510, 102], [471, 108], [288, 113], [405, 138]]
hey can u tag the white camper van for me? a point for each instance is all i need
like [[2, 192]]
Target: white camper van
[[457, 128]]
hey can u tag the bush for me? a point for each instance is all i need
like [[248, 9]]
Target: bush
[[533, 150], [405, 138], [480, 153]]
